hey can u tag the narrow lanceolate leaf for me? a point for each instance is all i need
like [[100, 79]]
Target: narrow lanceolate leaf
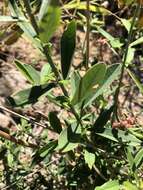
[[120, 136], [139, 158], [55, 122], [29, 72], [30, 95], [68, 42], [50, 21], [43, 8], [89, 83], [136, 80]]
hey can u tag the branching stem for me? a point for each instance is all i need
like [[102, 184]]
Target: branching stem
[[49, 59]]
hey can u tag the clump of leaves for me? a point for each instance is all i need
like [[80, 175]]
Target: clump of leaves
[[90, 151]]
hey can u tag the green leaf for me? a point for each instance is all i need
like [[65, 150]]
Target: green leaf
[[68, 43], [111, 75], [90, 81], [138, 160], [136, 80], [29, 72], [89, 158], [47, 148], [114, 42], [82, 6], [45, 74], [75, 81], [30, 95], [110, 185], [69, 138], [130, 158], [55, 122], [128, 186], [50, 21], [136, 42], [120, 136], [102, 119], [25, 25], [43, 8], [8, 19], [126, 23], [130, 56]]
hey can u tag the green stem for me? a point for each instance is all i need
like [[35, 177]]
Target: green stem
[[49, 59], [58, 77], [31, 16], [116, 97]]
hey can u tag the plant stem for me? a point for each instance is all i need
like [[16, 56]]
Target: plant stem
[[87, 32], [116, 97], [31, 16], [17, 141], [49, 59], [58, 77], [21, 116]]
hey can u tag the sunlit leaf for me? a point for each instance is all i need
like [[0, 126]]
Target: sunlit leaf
[[50, 21], [29, 72], [89, 82], [89, 158], [110, 185]]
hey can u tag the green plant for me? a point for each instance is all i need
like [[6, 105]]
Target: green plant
[[91, 150]]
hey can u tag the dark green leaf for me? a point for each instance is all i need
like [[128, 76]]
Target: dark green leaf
[[68, 42], [30, 95], [29, 72], [48, 148], [55, 122], [103, 118]]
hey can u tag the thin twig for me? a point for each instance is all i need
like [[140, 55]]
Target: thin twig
[[58, 77], [99, 173], [116, 97], [31, 16], [17, 141], [31, 120]]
